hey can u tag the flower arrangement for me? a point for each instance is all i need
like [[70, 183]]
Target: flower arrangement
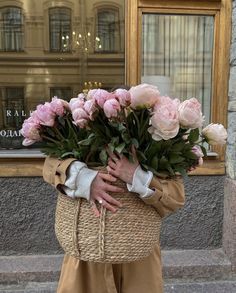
[[166, 132]]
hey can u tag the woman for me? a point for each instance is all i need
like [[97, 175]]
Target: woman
[[74, 179]]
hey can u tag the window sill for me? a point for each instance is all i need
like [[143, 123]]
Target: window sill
[[32, 167]]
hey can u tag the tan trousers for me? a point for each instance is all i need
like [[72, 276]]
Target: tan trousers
[[143, 276]]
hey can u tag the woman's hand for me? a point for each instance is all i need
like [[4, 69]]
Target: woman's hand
[[99, 192], [120, 167]]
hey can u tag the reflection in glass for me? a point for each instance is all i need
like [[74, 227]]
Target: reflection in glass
[[108, 30], [177, 56], [11, 29], [62, 56], [60, 29]]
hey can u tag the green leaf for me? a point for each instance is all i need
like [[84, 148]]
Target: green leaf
[[203, 150], [154, 163], [174, 158], [163, 163], [141, 156], [120, 148], [190, 155], [125, 136], [194, 135], [111, 147], [103, 156], [135, 142]]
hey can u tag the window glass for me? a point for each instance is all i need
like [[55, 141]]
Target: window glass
[[108, 31], [11, 29], [60, 29], [177, 56], [64, 93], [61, 56]]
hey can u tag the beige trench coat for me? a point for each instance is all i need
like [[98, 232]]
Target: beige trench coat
[[134, 277]]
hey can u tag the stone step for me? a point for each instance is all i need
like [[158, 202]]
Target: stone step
[[170, 287], [225, 286], [177, 264]]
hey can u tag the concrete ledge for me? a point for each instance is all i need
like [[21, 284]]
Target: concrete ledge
[[196, 264], [30, 268], [183, 264]]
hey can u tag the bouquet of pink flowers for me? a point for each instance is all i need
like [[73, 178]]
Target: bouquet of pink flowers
[[166, 133]]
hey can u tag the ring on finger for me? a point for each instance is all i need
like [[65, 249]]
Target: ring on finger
[[100, 201]]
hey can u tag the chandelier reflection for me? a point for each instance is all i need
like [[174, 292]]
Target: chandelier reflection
[[81, 42], [89, 85]]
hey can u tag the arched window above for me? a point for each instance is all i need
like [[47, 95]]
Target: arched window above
[[108, 30], [11, 29], [60, 29]]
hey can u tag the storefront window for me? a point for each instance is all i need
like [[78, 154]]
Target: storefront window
[[62, 45]]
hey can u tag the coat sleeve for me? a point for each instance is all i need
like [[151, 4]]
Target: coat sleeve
[[168, 195], [54, 171]]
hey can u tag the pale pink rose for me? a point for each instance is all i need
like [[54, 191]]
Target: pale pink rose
[[76, 103], [165, 121], [111, 108], [215, 134], [123, 96], [45, 114], [99, 95], [190, 114], [80, 117], [143, 96], [58, 106], [90, 107]]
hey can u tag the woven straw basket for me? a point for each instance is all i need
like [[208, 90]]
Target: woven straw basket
[[127, 235]]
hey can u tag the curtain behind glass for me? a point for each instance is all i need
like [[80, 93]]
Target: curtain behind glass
[[60, 29], [11, 29], [177, 56]]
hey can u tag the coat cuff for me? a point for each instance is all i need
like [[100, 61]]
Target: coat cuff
[[140, 183]]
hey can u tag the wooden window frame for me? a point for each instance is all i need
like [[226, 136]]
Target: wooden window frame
[[222, 35], [13, 167]]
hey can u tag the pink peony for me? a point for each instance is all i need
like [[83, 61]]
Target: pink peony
[[99, 95], [190, 114], [123, 96], [80, 117], [215, 134], [77, 102], [143, 96], [45, 114], [30, 130], [111, 108], [197, 151], [165, 120], [58, 106], [90, 108]]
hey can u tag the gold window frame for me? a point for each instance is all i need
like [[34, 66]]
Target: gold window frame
[[221, 10]]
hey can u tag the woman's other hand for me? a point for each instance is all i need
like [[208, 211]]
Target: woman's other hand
[[120, 167]]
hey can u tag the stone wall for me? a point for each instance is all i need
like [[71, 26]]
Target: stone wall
[[229, 228], [231, 146], [27, 207]]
